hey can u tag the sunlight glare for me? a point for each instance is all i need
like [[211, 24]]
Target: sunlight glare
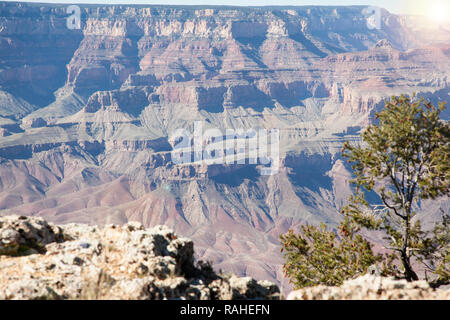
[[439, 11]]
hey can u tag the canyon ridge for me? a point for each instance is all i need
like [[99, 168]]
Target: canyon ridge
[[86, 115]]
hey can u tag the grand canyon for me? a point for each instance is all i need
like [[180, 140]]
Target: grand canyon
[[86, 114]]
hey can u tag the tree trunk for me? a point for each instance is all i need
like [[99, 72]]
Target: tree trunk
[[409, 272], [410, 275]]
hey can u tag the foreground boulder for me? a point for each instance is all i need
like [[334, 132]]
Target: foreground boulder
[[23, 235], [39, 260], [371, 287]]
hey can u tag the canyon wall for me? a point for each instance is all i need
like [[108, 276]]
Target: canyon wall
[[86, 114]]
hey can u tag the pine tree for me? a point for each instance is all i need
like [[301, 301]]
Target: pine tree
[[403, 159], [321, 256]]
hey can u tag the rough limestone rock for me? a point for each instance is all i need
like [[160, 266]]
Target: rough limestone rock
[[77, 261], [26, 235], [371, 287]]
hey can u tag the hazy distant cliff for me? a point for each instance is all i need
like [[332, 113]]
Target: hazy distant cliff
[[85, 115]]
